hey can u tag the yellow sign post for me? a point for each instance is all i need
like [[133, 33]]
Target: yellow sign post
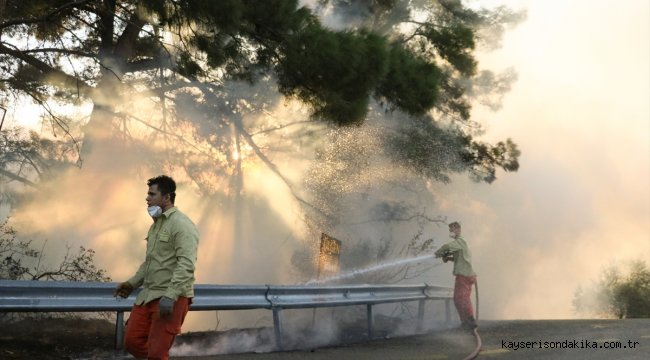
[[328, 259]]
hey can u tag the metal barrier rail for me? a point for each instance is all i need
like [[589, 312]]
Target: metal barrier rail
[[64, 296]]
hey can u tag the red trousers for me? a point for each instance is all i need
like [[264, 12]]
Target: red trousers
[[462, 300], [147, 335]]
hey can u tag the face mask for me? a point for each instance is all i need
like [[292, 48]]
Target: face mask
[[154, 211], [452, 235]]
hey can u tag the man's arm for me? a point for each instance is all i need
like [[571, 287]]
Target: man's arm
[[138, 278], [450, 247], [442, 250], [125, 289]]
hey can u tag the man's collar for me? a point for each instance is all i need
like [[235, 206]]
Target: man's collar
[[169, 211]]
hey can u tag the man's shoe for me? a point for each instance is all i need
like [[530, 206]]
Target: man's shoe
[[470, 323]]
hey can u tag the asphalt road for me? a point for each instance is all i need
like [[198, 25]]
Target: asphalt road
[[538, 339]]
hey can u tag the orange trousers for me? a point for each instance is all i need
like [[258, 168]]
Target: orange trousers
[[462, 300], [147, 335]]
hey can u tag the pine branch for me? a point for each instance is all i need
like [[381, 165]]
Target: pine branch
[[17, 178], [45, 17]]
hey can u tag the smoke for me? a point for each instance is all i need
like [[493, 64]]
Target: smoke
[[305, 329], [246, 238], [579, 200], [257, 340], [250, 237]]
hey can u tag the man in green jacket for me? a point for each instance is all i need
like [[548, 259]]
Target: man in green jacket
[[166, 276], [458, 251]]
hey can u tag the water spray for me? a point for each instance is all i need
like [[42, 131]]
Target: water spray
[[446, 257], [356, 272]]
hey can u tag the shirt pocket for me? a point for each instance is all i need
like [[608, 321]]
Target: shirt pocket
[[164, 236], [165, 247]]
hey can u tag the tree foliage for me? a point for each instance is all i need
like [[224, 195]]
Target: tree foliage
[[617, 294], [632, 294], [26, 158], [412, 56]]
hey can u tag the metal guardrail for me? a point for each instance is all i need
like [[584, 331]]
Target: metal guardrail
[[64, 296]]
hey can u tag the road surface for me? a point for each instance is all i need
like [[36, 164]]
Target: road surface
[[526, 339]]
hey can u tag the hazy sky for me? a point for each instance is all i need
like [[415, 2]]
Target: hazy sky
[[580, 114]]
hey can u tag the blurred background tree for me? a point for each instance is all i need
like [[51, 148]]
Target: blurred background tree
[[617, 294]]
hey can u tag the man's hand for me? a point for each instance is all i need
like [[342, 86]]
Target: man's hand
[[165, 306], [447, 256], [123, 290]]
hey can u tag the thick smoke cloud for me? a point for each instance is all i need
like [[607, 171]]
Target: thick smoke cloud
[[579, 202]]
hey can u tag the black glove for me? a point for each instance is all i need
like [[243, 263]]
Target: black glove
[[447, 256], [165, 306], [123, 290]]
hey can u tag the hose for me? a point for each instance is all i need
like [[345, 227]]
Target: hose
[[479, 343]]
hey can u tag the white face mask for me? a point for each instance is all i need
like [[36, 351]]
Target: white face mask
[[154, 211], [452, 234]]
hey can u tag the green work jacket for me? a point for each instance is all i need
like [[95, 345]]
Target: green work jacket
[[168, 268], [462, 256]]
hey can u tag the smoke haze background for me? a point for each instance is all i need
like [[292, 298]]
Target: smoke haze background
[[579, 112]]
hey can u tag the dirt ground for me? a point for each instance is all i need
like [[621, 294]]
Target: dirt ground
[[54, 338], [92, 339], [47, 338]]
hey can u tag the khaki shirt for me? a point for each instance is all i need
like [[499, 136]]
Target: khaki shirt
[[462, 256], [168, 268]]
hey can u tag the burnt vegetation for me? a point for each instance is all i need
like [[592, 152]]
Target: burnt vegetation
[[21, 261]]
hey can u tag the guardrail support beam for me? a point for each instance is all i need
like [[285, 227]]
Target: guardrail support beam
[[370, 320], [277, 327], [420, 316], [119, 330], [448, 311]]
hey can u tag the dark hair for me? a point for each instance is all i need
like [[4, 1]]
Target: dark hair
[[166, 185], [454, 225]]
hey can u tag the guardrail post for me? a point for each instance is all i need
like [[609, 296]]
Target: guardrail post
[[420, 316], [370, 320], [277, 326], [119, 330], [448, 311]]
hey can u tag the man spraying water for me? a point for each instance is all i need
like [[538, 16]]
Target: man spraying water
[[458, 252]]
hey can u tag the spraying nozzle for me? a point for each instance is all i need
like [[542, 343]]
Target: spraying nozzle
[[447, 256]]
